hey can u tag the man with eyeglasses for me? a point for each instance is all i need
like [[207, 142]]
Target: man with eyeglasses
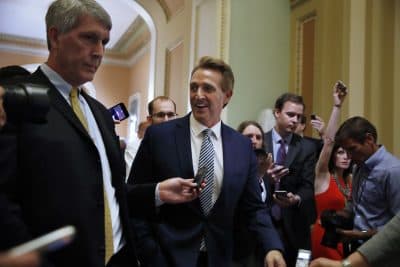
[[161, 108]]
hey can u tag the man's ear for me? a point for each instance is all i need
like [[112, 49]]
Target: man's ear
[[228, 95], [276, 112], [53, 35], [369, 138]]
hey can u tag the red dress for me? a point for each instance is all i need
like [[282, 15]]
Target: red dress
[[332, 198]]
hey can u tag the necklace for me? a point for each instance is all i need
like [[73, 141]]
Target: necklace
[[344, 190]]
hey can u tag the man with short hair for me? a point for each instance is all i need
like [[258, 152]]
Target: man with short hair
[[69, 169], [376, 180], [293, 171], [161, 108], [200, 233]]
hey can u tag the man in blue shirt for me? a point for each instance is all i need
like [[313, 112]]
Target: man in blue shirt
[[376, 179]]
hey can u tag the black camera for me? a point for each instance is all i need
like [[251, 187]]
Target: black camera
[[330, 220], [26, 103]]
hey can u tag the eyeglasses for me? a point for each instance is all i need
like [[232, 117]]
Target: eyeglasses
[[161, 115]]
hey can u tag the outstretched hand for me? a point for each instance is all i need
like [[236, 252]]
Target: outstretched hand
[[178, 190], [323, 262], [319, 125], [339, 93]]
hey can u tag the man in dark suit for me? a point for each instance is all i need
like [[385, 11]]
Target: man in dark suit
[[200, 233], [293, 172], [69, 170]]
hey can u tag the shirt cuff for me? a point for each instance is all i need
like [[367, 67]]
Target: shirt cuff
[[158, 201]]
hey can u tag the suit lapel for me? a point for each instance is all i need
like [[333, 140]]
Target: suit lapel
[[294, 149], [110, 142], [229, 154], [183, 144], [58, 102]]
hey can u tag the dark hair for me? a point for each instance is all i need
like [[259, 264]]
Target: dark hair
[[289, 97], [216, 64], [150, 106], [8, 73], [332, 166], [356, 128], [243, 125], [64, 15]]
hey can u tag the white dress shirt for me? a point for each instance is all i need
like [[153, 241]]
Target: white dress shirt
[[196, 138]]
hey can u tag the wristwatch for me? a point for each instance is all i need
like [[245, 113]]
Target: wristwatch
[[346, 263]]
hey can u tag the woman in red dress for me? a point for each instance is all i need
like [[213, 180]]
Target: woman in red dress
[[332, 179]]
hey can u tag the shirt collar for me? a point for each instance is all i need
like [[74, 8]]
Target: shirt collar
[[375, 158], [197, 127], [276, 137], [61, 85]]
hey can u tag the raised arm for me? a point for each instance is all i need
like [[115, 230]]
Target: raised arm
[[321, 169]]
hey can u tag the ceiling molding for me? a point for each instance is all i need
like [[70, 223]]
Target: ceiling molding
[[171, 7], [132, 42]]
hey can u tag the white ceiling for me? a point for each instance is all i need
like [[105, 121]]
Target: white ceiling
[[25, 18]]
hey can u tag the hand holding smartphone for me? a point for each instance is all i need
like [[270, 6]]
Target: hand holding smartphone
[[119, 112], [341, 88], [281, 193], [199, 178]]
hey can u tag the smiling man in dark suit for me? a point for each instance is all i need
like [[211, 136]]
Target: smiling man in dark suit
[[69, 169], [200, 233], [293, 171]]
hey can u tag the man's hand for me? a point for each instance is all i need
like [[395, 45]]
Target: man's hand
[[26, 260], [323, 262], [319, 125], [178, 190], [290, 200], [274, 258], [348, 235], [276, 172]]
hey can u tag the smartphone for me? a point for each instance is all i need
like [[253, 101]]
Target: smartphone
[[281, 193], [199, 178], [46, 243], [341, 87], [303, 258], [119, 112], [313, 116]]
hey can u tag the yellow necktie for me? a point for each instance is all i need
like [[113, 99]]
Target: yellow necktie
[[108, 232], [77, 108]]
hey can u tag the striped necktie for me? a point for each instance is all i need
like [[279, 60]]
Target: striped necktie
[[206, 160]]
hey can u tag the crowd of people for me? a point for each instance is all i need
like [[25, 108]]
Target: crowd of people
[[191, 191]]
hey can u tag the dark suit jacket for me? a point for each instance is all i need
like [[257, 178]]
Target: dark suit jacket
[[57, 179], [301, 161], [166, 152]]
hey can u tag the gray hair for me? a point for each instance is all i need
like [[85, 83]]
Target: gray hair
[[64, 15]]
